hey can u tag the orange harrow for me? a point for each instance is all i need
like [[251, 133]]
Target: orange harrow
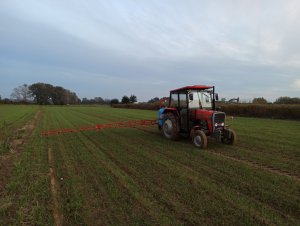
[[125, 124]]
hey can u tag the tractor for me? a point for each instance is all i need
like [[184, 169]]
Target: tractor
[[191, 112]]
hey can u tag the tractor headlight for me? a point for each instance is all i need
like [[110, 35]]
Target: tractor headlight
[[219, 124], [161, 116]]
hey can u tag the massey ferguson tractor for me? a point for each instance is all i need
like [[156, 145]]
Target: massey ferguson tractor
[[191, 112]]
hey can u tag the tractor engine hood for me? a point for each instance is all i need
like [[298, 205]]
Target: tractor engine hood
[[215, 119], [202, 114]]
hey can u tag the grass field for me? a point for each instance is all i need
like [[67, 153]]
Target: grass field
[[11, 118], [134, 176]]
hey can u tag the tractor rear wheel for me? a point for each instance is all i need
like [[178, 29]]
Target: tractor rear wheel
[[170, 127], [199, 139], [229, 137]]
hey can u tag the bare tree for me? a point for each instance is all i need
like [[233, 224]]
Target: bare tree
[[21, 93]]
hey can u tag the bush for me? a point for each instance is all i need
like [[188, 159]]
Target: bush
[[259, 100], [114, 101], [287, 100], [274, 111], [262, 110]]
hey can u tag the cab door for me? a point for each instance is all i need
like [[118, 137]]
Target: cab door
[[183, 110]]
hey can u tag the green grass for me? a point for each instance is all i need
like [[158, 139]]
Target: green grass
[[134, 176], [13, 118], [272, 142]]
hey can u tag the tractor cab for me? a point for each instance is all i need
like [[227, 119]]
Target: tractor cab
[[191, 111]]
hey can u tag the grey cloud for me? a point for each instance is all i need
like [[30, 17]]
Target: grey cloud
[[149, 48]]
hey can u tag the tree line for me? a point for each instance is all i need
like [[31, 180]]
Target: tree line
[[99, 100], [262, 100], [44, 94], [280, 100]]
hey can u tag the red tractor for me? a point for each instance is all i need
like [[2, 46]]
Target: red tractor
[[192, 112]]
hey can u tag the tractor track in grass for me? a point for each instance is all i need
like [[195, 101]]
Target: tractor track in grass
[[132, 180], [196, 172], [123, 183], [257, 165], [289, 155], [268, 156], [248, 162], [128, 184], [57, 214], [185, 167], [169, 201], [192, 170]]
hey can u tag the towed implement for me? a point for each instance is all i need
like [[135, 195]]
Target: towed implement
[[124, 124]]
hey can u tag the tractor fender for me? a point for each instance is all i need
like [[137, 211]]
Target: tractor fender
[[194, 129], [163, 111], [160, 116]]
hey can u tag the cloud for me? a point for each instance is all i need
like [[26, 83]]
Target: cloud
[[296, 85], [245, 48]]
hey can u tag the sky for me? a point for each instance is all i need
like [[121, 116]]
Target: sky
[[113, 48]]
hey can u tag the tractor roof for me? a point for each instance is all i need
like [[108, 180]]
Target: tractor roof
[[196, 87]]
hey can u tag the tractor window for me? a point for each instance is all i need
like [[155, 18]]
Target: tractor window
[[201, 100], [182, 100], [174, 100], [205, 99], [195, 103]]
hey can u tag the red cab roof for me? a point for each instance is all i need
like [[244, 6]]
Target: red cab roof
[[196, 87]]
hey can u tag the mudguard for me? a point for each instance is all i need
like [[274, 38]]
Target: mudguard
[[161, 116], [163, 111]]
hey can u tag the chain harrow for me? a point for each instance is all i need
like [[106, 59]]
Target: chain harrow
[[125, 124]]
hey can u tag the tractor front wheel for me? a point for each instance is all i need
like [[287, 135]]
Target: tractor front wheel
[[170, 128], [229, 137], [199, 139]]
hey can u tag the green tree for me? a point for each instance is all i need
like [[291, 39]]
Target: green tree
[[85, 100], [114, 101], [41, 92], [153, 100], [48, 94], [58, 95], [71, 97], [259, 100], [99, 100], [125, 99], [132, 99], [287, 100]]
